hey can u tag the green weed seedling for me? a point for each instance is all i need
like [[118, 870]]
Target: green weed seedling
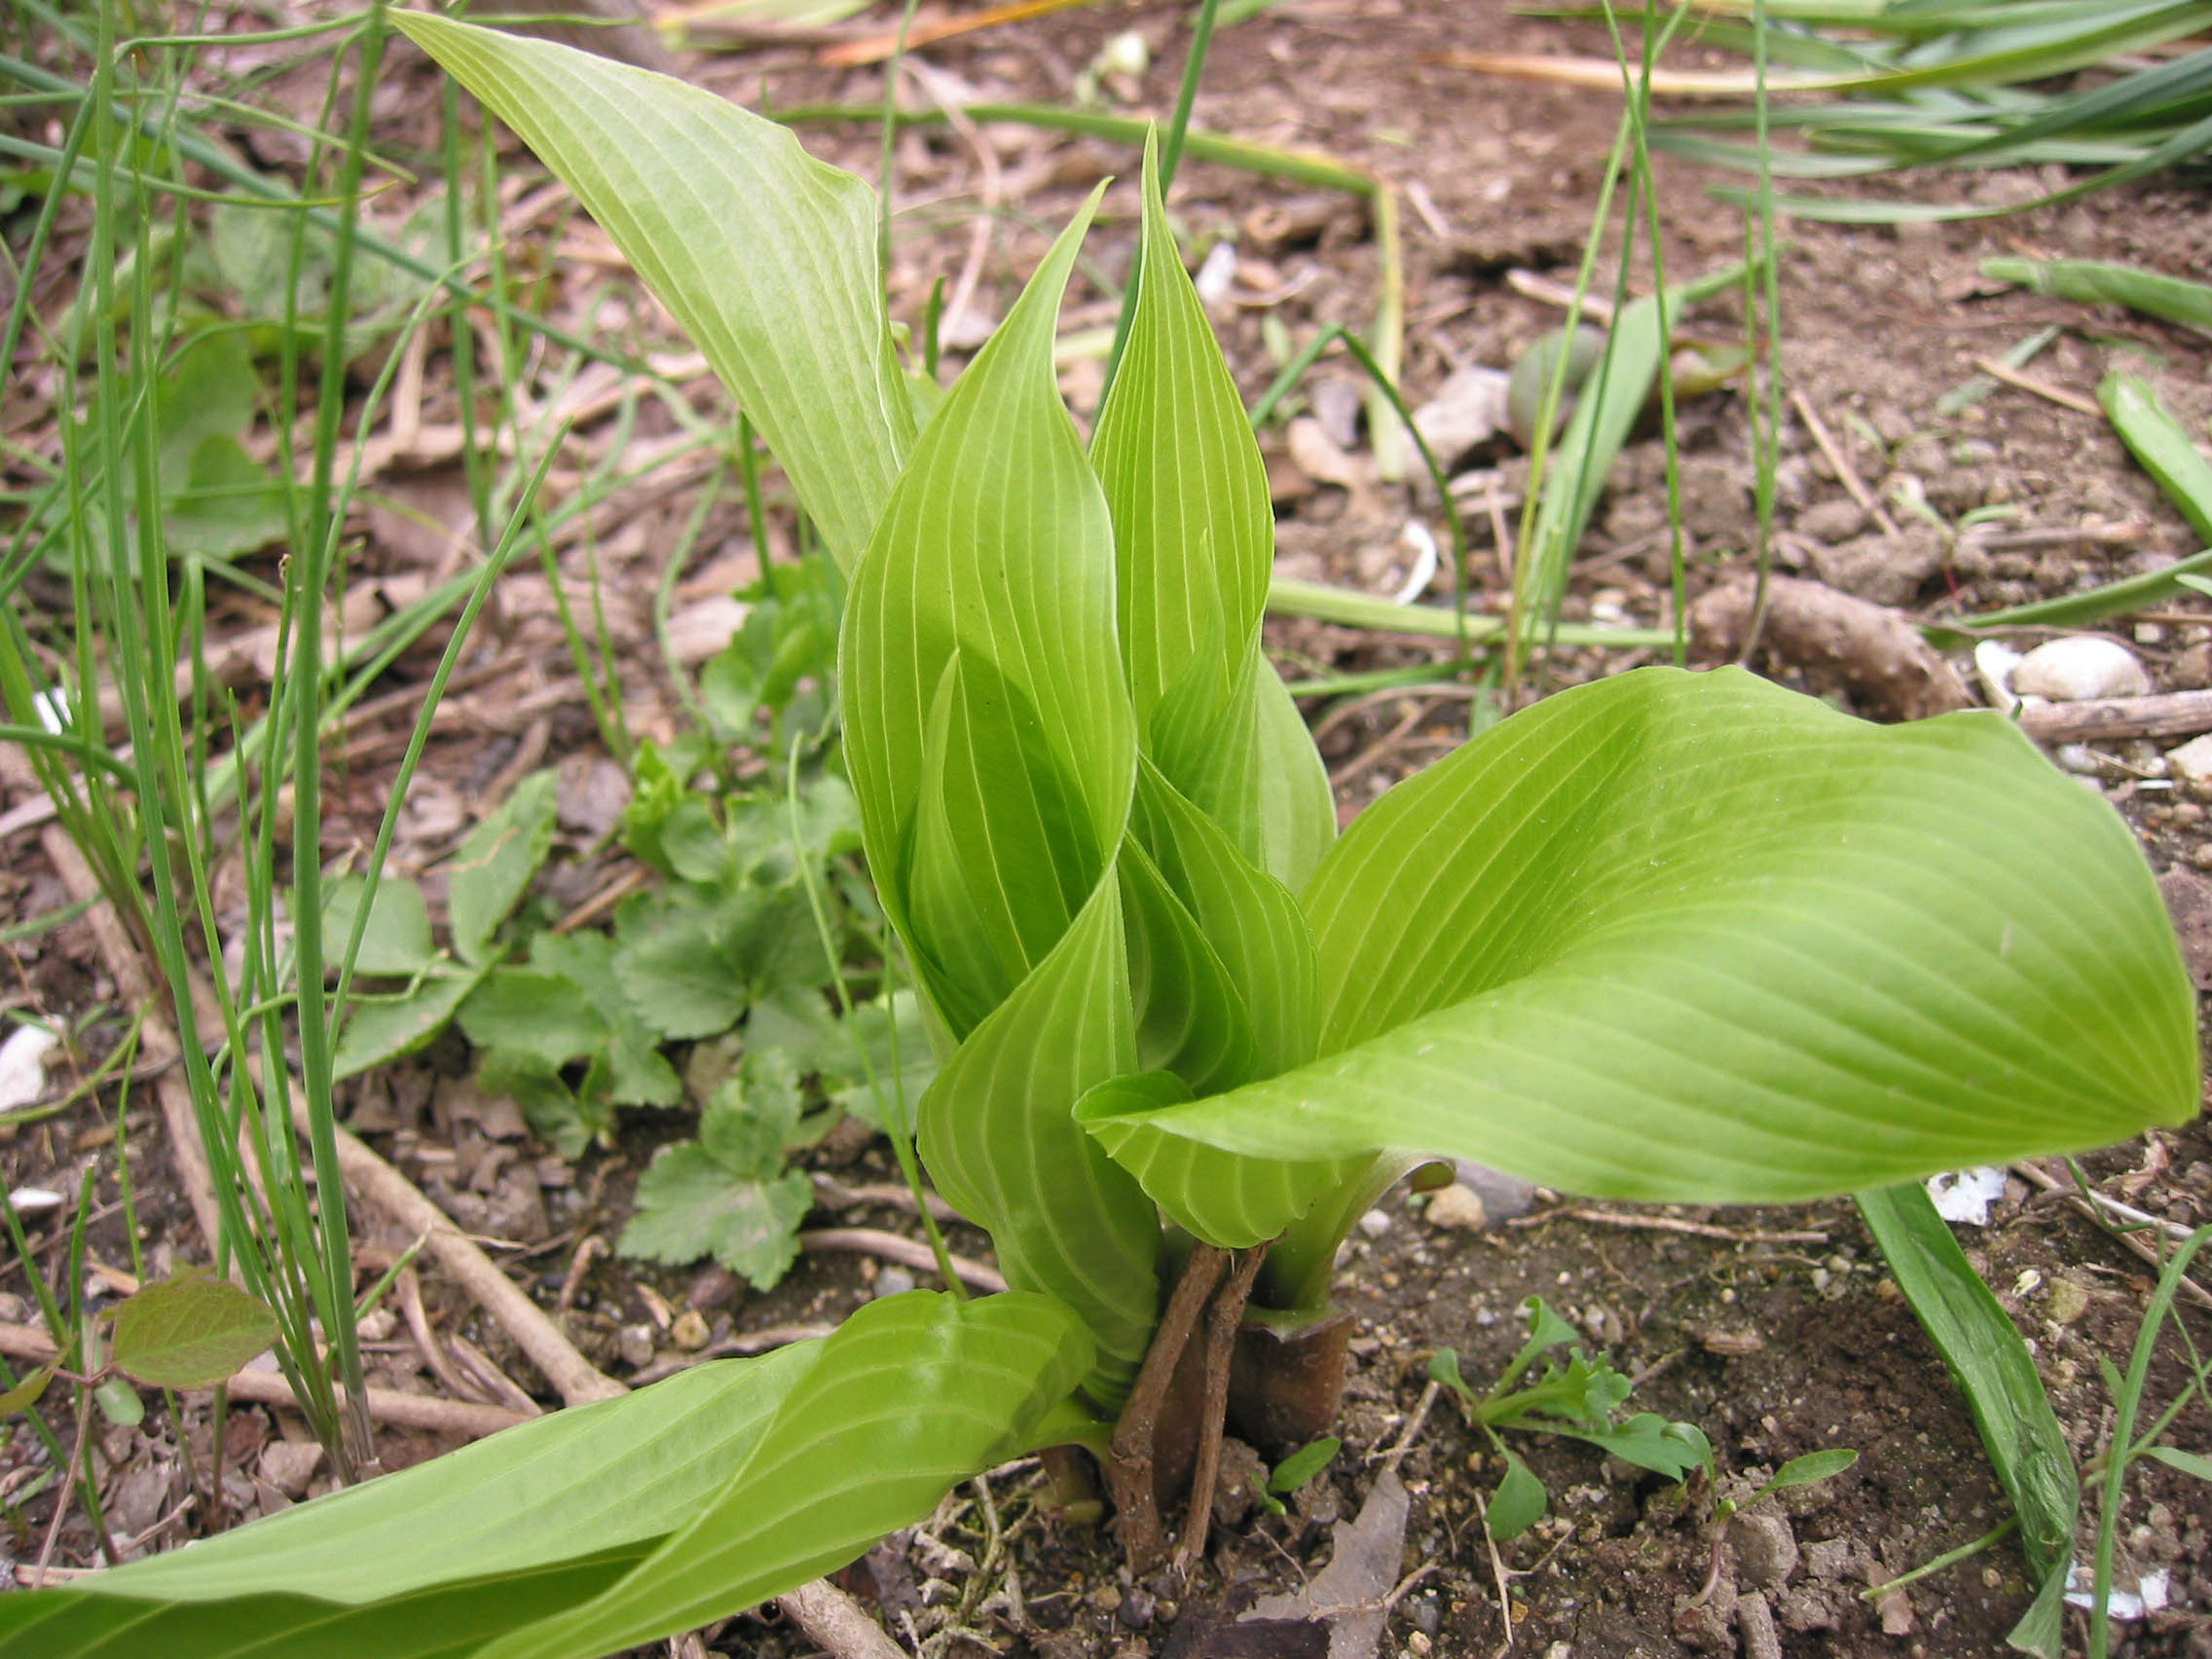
[[1672, 936], [1294, 1470], [1579, 1399]]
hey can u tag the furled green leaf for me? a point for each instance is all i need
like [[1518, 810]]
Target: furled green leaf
[[1192, 530], [987, 729], [690, 1206], [190, 1331], [1694, 937], [494, 866], [1993, 1368], [1298, 810], [397, 940], [795, 1461], [1191, 1016], [1228, 1201], [1001, 1141], [381, 1028], [765, 255]]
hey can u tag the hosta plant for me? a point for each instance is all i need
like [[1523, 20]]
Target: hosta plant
[[1667, 936]]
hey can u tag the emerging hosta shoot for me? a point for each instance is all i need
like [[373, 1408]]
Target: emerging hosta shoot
[[1671, 935]]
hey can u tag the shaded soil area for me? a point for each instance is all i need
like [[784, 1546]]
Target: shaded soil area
[[1778, 1332]]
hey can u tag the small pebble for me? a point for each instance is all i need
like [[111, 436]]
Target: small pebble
[[2079, 667], [1136, 1610], [635, 1344], [1459, 1208], [689, 1332], [2192, 760], [894, 1281], [1374, 1224]]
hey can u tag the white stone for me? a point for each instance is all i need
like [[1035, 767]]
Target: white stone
[[1458, 1207], [22, 1065], [1374, 1223], [1468, 409], [1966, 1196], [1994, 662], [2192, 760], [2079, 667]]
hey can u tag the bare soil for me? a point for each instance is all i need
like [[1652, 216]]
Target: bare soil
[[1776, 1345]]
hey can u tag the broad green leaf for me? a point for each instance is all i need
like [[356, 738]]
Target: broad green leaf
[[691, 1205], [751, 1118], [1193, 528], [189, 1332], [380, 1028], [995, 555], [765, 255], [797, 1460], [1001, 1141], [494, 866], [27, 1392], [1990, 1363], [1695, 938], [912, 1394], [397, 940]]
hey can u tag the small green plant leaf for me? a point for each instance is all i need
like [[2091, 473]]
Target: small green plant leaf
[[27, 1392], [2173, 1457], [690, 1206], [637, 1073], [1519, 1502], [1812, 1468], [494, 865], [746, 1124], [1650, 1442], [396, 943], [119, 1402], [542, 1019], [189, 1332], [1303, 1464], [693, 961], [2162, 445], [381, 1028], [1693, 938], [765, 255], [1990, 1363]]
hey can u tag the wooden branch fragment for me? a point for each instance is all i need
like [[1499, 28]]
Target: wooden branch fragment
[[2170, 714], [1223, 1316], [574, 1378], [1997, 368], [836, 1623], [1846, 475], [1128, 1469], [1868, 650], [898, 1247], [268, 1388]]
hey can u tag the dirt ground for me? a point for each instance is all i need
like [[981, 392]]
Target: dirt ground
[[1777, 1332]]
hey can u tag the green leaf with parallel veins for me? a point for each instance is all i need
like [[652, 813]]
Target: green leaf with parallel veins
[[1296, 808], [494, 866], [1694, 937], [1191, 1017], [765, 255], [996, 548], [912, 1394], [999, 1137], [1193, 528], [189, 1332], [1226, 1199]]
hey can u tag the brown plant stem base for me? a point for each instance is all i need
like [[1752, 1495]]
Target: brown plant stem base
[[1129, 1470], [1222, 1319]]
